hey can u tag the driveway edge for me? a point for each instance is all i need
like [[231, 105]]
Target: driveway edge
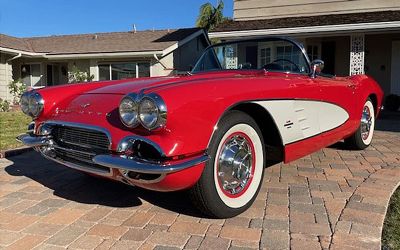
[[14, 152]]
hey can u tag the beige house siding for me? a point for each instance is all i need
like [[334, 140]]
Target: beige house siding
[[157, 68], [91, 66], [5, 76], [261, 9]]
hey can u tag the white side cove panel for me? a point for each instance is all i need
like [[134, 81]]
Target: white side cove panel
[[299, 119]]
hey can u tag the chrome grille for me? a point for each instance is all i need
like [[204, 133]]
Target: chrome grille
[[81, 137], [79, 145]]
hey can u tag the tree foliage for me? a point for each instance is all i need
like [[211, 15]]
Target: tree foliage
[[210, 16]]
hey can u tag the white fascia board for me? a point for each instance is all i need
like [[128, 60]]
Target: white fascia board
[[309, 29], [104, 55], [182, 42], [24, 53]]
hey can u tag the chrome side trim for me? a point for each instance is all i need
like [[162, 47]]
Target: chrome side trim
[[135, 165]]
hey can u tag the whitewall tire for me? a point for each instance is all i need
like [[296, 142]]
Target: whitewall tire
[[232, 177], [362, 138]]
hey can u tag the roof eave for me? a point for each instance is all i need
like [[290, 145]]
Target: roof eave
[[358, 27], [22, 52]]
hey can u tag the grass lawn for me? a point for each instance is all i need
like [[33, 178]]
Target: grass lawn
[[391, 227], [12, 124]]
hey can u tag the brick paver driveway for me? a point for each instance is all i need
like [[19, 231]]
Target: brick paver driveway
[[331, 199]]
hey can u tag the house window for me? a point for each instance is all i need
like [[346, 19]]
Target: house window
[[144, 69], [118, 71], [312, 52], [265, 56], [287, 56], [31, 75]]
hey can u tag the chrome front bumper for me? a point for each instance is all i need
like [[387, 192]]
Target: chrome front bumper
[[120, 162], [126, 164], [34, 141]]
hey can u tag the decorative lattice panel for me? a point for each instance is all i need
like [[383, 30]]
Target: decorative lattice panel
[[357, 54]]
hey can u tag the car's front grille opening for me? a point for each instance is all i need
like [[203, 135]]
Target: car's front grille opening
[[86, 139], [80, 145]]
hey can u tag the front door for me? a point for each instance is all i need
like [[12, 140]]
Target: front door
[[395, 80], [328, 51], [50, 80]]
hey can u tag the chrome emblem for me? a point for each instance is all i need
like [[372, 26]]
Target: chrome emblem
[[85, 105]]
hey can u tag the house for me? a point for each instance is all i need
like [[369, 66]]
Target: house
[[46, 61], [351, 36]]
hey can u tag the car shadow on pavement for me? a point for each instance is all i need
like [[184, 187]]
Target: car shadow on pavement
[[388, 121], [76, 186]]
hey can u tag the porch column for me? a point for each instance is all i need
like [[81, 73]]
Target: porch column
[[94, 69], [357, 54]]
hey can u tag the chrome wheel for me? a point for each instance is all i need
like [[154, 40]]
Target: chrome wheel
[[236, 161], [366, 123]]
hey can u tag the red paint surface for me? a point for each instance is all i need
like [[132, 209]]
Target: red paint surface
[[196, 103]]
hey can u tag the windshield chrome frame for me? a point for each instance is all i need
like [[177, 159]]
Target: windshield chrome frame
[[259, 39]]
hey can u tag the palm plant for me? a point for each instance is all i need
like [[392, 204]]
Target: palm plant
[[210, 16]]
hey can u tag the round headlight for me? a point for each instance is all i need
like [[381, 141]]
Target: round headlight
[[152, 112], [24, 103], [35, 104], [148, 113], [128, 111]]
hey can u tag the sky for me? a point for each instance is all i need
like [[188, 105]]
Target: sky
[[27, 18]]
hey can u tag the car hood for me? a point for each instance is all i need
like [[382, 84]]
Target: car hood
[[148, 84], [127, 86]]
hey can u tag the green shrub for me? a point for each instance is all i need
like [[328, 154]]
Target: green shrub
[[4, 105], [75, 75], [17, 88]]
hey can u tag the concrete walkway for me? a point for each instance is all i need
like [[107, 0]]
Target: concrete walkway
[[332, 199]]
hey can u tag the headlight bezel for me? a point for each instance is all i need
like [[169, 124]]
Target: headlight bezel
[[133, 98], [159, 104], [32, 104]]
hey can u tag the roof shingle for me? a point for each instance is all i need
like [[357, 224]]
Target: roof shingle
[[147, 40]]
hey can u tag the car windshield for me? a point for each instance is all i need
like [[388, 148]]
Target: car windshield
[[271, 54]]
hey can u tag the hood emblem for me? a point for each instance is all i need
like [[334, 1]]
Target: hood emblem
[[85, 105]]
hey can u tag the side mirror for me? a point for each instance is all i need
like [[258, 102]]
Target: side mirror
[[316, 67]]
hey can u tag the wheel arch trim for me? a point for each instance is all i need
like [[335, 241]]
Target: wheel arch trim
[[236, 107]]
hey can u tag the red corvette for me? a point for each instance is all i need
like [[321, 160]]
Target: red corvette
[[211, 131]]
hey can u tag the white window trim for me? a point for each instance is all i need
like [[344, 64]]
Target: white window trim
[[116, 62]]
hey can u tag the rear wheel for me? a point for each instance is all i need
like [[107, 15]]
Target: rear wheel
[[362, 138], [232, 177]]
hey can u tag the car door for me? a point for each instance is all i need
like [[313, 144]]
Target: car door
[[335, 117], [296, 114]]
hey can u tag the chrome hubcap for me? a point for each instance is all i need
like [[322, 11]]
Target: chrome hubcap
[[366, 123], [235, 164]]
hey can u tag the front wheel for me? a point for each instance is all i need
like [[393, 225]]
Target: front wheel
[[362, 138], [232, 177]]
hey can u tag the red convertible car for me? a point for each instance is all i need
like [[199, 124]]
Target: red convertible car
[[211, 131]]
